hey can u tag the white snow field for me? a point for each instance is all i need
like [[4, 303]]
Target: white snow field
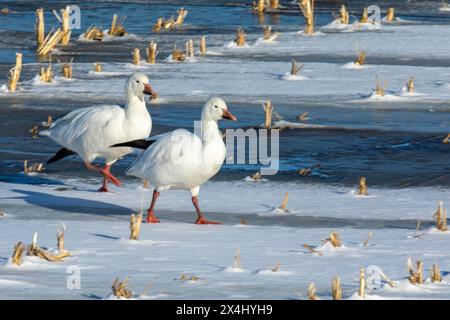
[[97, 233]]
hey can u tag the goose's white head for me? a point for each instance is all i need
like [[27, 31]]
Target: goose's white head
[[138, 85], [216, 109]]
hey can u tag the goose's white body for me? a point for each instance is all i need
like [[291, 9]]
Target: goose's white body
[[183, 160], [90, 132]]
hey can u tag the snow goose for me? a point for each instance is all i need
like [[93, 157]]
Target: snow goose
[[183, 160], [89, 132]]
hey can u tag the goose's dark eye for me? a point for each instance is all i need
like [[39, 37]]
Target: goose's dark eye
[[216, 107], [137, 81]]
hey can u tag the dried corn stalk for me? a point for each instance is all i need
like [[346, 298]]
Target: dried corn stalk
[[16, 257], [50, 42], [334, 239], [237, 259], [259, 7], [336, 289], [203, 45], [390, 16], [240, 37], [169, 23], [410, 85], [60, 239], [268, 111], [135, 226], [94, 33], [40, 26], [37, 167], [117, 29], [274, 4], [361, 58], [14, 73], [5, 11], [362, 283], [307, 8], [152, 52], [136, 56], [65, 25], [436, 275], [344, 16], [441, 217], [295, 67], [34, 250], [363, 187], [311, 291], [190, 48], [446, 139], [415, 275], [256, 176], [304, 171], [267, 32], [120, 289]]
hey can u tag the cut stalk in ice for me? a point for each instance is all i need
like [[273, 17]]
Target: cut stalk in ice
[[369, 236], [415, 275], [344, 16], [267, 32], [5, 11], [135, 225], [361, 58], [268, 110], [303, 116], [46, 73], [182, 13], [40, 26], [136, 56], [237, 259], [169, 23], [441, 217], [334, 239], [240, 37], [16, 257], [67, 70], [117, 29], [311, 249], [178, 55], [365, 16], [158, 24], [152, 52], [283, 205], [436, 275], [259, 7], [94, 33], [307, 7], [295, 67], [120, 289], [390, 16], [203, 45], [380, 89], [97, 67], [14, 73], [65, 25], [362, 283], [446, 139], [190, 48], [311, 291], [60, 238], [34, 250], [336, 289], [410, 85], [256, 176], [276, 268], [274, 4], [363, 187]]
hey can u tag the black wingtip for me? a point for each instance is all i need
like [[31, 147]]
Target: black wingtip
[[139, 144], [62, 153]]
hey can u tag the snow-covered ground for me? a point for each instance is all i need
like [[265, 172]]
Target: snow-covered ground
[[97, 236]]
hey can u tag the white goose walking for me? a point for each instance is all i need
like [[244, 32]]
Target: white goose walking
[[183, 160], [90, 132]]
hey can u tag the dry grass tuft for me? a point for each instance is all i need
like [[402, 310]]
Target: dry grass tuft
[[120, 289]]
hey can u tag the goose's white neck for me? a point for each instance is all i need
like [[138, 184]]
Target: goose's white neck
[[135, 104], [210, 131]]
